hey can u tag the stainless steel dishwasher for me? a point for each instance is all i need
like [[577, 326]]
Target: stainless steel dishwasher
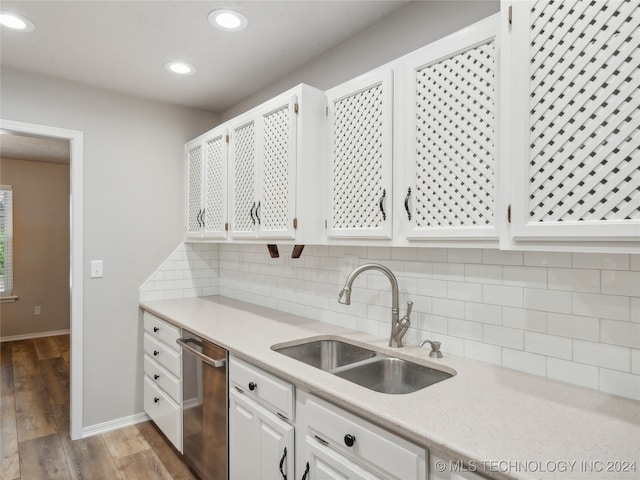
[[204, 407]]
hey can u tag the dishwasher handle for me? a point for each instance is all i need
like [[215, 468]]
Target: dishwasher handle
[[184, 341]]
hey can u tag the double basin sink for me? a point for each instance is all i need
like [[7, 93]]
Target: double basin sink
[[368, 368]]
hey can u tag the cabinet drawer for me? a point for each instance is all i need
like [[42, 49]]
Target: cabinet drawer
[[162, 330], [161, 377], [372, 446], [269, 390], [165, 413], [165, 356]]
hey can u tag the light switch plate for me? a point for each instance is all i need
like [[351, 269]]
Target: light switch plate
[[96, 269]]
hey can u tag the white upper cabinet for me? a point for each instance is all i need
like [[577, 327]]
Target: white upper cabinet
[[270, 167], [574, 144], [360, 157], [206, 159], [447, 131]]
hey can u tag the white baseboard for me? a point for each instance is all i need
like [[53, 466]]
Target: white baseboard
[[114, 424], [27, 336]]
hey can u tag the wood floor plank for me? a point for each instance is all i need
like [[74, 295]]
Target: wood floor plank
[[167, 455], [143, 465], [125, 442], [25, 363], [43, 458], [46, 347], [64, 345], [23, 346], [9, 457], [89, 459], [55, 373], [6, 353], [34, 415]]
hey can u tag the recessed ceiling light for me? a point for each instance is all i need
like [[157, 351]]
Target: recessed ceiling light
[[180, 68], [229, 20], [16, 22]]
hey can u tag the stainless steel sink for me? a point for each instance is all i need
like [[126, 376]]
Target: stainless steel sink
[[368, 368], [393, 375], [327, 355]]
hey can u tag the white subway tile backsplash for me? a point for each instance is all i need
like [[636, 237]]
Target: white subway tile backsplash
[[501, 295], [465, 329], [620, 383], [503, 336], [524, 319], [524, 277], [548, 345], [448, 271], [501, 257], [635, 361], [471, 292], [547, 259], [571, 372], [483, 313], [574, 280], [603, 306], [625, 334], [617, 282], [524, 361], [547, 300], [464, 255], [583, 309], [602, 355], [488, 274], [483, 352], [573, 326], [612, 261]]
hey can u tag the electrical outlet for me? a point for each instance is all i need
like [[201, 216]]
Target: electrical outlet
[[37, 310]]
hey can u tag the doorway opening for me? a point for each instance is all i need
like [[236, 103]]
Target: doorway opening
[[74, 140]]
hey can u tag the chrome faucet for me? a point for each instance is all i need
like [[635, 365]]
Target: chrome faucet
[[398, 326]]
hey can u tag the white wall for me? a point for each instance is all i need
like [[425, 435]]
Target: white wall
[[133, 215], [415, 26]]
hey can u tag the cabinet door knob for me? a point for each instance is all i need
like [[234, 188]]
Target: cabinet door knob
[[156, 353], [252, 386], [349, 440], [156, 399], [156, 376], [156, 329]]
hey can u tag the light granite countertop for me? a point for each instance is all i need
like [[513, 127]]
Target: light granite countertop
[[505, 423]]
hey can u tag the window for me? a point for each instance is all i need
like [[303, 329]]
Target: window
[[6, 237]]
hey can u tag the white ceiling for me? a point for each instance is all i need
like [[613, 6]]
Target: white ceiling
[[34, 148], [123, 45]]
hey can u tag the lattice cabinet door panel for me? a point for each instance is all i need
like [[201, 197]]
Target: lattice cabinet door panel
[[576, 123], [243, 158], [277, 167], [360, 152], [450, 100], [215, 183], [194, 167]]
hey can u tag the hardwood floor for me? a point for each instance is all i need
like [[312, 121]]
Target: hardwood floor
[[34, 425]]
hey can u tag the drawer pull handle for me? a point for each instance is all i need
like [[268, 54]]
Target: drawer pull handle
[[156, 400], [156, 353], [156, 376], [252, 386], [349, 440], [306, 472], [406, 204], [156, 329], [284, 455]]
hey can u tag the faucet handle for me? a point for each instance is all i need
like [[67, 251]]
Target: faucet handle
[[409, 308]]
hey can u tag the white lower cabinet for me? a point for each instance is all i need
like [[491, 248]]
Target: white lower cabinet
[[163, 377], [260, 443], [261, 430], [335, 444]]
